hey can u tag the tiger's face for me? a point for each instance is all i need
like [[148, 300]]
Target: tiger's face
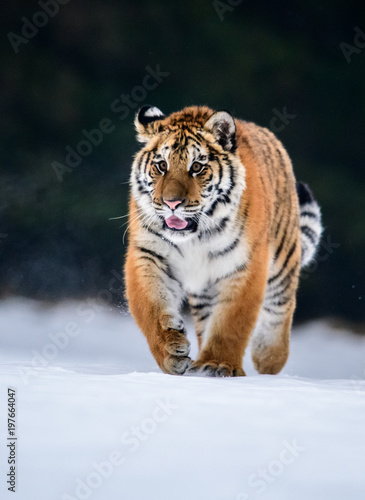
[[184, 178]]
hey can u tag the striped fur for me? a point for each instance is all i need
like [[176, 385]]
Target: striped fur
[[310, 223], [215, 217]]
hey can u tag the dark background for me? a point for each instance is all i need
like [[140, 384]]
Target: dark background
[[257, 59]]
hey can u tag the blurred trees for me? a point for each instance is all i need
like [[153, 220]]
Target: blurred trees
[[262, 60]]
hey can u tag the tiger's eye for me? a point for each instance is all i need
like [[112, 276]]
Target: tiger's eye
[[196, 168], [162, 166]]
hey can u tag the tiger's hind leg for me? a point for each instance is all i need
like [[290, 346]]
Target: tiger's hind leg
[[271, 338]]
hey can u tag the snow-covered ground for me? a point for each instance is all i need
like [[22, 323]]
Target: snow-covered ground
[[97, 419]]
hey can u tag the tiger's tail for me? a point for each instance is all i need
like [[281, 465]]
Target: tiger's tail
[[310, 223]]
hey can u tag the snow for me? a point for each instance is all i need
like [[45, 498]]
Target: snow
[[97, 419]]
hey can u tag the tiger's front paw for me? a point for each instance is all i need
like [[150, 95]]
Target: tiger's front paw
[[176, 365], [176, 354], [216, 369]]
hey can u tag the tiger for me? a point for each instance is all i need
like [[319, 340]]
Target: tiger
[[217, 221]]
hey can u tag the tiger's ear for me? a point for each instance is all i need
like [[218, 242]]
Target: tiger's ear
[[221, 124], [145, 122]]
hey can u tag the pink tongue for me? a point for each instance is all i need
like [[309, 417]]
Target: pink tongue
[[176, 223]]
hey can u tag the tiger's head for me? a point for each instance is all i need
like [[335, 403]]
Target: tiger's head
[[187, 177]]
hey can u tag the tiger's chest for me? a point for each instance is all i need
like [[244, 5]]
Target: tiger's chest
[[203, 265]]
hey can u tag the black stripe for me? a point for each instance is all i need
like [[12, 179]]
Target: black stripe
[[280, 247], [163, 238], [202, 318], [212, 208], [202, 296], [154, 275], [141, 187], [201, 306], [281, 302], [220, 227], [270, 311], [231, 178], [276, 313], [310, 233], [281, 159], [282, 291], [173, 293], [151, 252], [265, 141], [146, 161], [285, 280], [193, 138], [145, 257], [223, 196], [238, 269], [247, 207], [305, 195], [308, 214], [142, 190], [169, 274], [138, 165], [221, 253], [278, 227], [165, 269], [220, 175], [284, 235], [212, 154], [290, 253]]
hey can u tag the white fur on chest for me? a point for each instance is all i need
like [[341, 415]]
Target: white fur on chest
[[190, 262], [196, 271]]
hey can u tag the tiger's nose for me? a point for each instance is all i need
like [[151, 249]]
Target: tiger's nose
[[173, 203]]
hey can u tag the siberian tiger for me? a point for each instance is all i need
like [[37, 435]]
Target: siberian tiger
[[216, 218]]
